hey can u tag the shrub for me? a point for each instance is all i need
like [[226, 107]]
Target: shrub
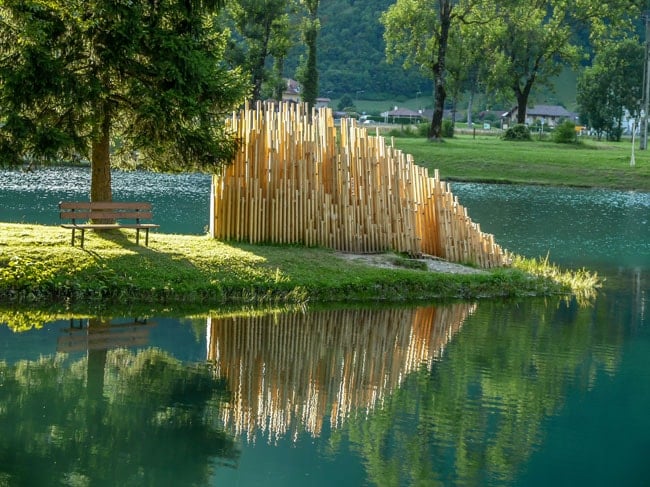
[[517, 132], [403, 131], [565, 133], [447, 129]]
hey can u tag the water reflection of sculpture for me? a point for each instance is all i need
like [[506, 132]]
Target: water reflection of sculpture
[[288, 372], [476, 416]]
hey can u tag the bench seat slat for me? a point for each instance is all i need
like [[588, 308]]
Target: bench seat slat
[[80, 215], [112, 215], [108, 226], [103, 205]]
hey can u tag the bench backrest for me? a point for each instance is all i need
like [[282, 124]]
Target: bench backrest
[[107, 210]]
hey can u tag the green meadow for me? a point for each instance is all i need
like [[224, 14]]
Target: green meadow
[[488, 158]]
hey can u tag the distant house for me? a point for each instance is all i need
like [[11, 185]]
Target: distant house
[[401, 114], [292, 91], [446, 114], [322, 102], [549, 115]]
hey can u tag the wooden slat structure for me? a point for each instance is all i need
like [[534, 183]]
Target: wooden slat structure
[[299, 179], [292, 372]]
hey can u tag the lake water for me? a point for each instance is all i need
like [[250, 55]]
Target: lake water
[[530, 392]]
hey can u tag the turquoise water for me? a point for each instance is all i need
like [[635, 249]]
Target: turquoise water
[[596, 228], [532, 392], [181, 202]]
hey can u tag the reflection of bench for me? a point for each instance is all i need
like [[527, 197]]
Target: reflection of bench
[[81, 338], [106, 215]]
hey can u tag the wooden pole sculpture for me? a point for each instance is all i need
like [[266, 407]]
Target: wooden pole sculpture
[[297, 179]]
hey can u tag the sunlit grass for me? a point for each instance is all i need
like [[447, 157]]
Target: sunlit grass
[[490, 159], [38, 265], [582, 282]]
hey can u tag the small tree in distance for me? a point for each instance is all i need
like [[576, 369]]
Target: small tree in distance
[[565, 133], [77, 76]]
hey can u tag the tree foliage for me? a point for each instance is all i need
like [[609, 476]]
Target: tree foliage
[[528, 43], [308, 72], [351, 54], [518, 131], [419, 32], [263, 31], [612, 85], [77, 76], [565, 133]]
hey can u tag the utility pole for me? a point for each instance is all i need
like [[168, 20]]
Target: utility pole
[[646, 84]]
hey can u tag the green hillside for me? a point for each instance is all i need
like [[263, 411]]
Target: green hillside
[[352, 61], [351, 56]]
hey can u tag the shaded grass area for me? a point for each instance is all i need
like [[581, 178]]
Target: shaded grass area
[[38, 265], [490, 159]]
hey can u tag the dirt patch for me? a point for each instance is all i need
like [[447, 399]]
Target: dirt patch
[[392, 261]]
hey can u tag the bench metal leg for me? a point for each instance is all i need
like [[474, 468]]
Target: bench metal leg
[[146, 237], [83, 233], [72, 242], [137, 236]]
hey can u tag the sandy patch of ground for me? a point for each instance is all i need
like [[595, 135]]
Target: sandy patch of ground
[[392, 261]]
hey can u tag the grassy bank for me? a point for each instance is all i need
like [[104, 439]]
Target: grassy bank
[[38, 265], [490, 159]]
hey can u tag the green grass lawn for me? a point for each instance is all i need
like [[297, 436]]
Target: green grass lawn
[[38, 265], [490, 159]]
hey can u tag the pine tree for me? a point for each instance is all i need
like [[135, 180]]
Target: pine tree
[[126, 82]]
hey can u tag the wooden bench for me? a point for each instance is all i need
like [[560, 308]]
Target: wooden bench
[[86, 215], [83, 337]]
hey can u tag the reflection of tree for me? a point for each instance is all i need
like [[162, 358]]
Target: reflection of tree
[[478, 414], [290, 371], [115, 418]]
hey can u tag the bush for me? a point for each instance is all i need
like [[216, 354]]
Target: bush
[[447, 129], [565, 133], [517, 132], [403, 131]]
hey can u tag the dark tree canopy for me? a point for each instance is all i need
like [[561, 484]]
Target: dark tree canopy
[[262, 31], [123, 82]]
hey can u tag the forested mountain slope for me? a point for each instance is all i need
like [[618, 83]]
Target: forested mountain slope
[[351, 55]]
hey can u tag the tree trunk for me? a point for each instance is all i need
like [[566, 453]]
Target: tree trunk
[[100, 161], [522, 101], [280, 84], [453, 112], [470, 107], [439, 68], [521, 94], [259, 63], [435, 131]]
